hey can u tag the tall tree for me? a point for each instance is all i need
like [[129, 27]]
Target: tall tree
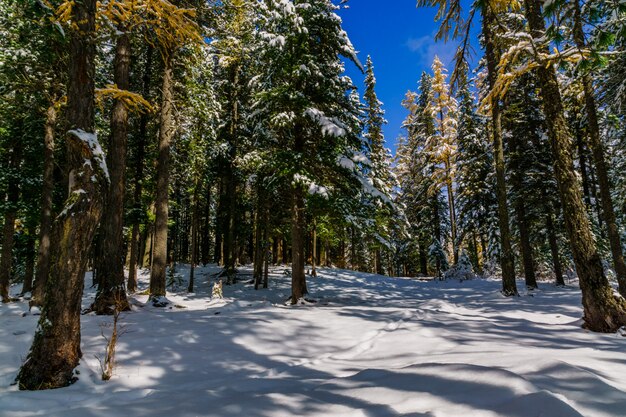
[[603, 312], [55, 351], [304, 99]]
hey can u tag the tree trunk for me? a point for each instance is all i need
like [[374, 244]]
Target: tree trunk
[[206, 229], [597, 149], [554, 250], [29, 272], [139, 167], [520, 214], [453, 231], [10, 216], [195, 222], [111, 294], [166, 133], [507, 264], [298, 233], [45, 226], [314, 255], [259, 247], [603, 312], [582, 163], [55, 351]]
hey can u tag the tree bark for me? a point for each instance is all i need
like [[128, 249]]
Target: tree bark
[[314, 254], [509, 287], [520, 214], [10, 216], [111, 294], [597, 149], [603, 312], [554, 251], [45, 226], [55, 351], [298, 233], [195, 222], [29, 272], [166, 134], [139, 168]]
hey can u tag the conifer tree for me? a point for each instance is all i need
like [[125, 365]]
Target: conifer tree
[[305, 100], [55, 351], [603, 311], [442, 144]]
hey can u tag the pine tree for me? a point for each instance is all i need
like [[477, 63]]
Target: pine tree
[[475, 177], [603, 312], [442, 144], [55, 351], [305, 100]]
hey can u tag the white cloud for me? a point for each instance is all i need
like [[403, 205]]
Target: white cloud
[[426, 48]]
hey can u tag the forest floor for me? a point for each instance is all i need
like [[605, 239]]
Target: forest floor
[[370, 346]]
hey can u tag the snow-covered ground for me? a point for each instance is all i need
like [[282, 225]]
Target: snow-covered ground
[[371, 346]]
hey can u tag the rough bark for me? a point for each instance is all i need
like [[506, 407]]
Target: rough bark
[[166, 134], [111, 294], [55, 351], [603, 312], [597, 150], [45, 225], [507, 264]]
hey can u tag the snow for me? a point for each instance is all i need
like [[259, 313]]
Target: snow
[[370, 346], [91, 140]]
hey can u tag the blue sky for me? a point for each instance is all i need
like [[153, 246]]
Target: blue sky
[[400, 39]]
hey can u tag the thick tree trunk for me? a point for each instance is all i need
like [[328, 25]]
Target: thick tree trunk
[[597, 149], [507, 264], [166, 133], [45, 226], [111, 294], [142, 136], [56, 347], [603, 312]]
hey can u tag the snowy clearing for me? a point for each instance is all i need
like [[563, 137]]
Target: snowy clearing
[[370, 346]]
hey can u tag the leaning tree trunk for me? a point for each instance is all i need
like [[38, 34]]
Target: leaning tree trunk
[[55, 351], [10, 216], [507, 264], [111, 294], [45, 226], [597, 149], [166, 133], [603, 312]]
